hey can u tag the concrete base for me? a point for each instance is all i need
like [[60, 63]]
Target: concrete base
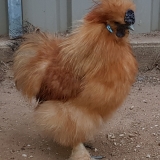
[[147, 51]]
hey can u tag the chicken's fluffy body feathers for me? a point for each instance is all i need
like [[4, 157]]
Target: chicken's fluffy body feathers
[[78, 80]]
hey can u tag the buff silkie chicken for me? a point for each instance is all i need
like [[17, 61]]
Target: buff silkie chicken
[[79, 80]]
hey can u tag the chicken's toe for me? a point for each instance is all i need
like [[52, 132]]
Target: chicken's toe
[[97, 157]]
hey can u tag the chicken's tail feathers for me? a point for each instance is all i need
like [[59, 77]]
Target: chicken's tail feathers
[[31, 60]]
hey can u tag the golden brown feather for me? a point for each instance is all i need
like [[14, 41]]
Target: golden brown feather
[[79, 80]]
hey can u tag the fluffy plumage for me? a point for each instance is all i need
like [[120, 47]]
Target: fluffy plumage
[[79, 80]]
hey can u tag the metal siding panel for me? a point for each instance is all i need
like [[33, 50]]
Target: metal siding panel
[[34, 12], [57, 15], [3, 17], [159, 16], [155, 14], [52, 18], [143, 13], [80, 8], [143, 16], [63, 15], [69, 14], [41, 13]]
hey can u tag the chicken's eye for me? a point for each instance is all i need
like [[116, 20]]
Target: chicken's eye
[[117, 23]]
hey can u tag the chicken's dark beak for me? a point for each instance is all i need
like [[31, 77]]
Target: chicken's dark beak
[[131, 27]]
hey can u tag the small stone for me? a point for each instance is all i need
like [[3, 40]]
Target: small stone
[[31, 156], [159, 144], [131, 135], [95, 149], [138, 146], [148, 156], [115, 143], [144, 101], [24, 155], [111, 136], [121, 135], [132, 107]]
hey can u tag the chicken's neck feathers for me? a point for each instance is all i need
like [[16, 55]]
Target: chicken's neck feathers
[[91, 48]]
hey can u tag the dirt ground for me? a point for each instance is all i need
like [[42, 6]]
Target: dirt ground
[[133, 133]]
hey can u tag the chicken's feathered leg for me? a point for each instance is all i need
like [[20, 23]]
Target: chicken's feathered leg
[[80, 153], [68, 125]]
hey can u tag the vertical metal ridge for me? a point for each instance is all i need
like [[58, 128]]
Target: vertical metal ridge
[[3, 18], [69, 14], [58, 14], [151, 22], [159, 16]]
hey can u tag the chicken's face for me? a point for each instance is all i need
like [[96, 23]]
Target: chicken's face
[[121, 26], [116, 16]]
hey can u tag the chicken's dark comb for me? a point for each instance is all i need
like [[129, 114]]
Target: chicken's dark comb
[[129, 17]]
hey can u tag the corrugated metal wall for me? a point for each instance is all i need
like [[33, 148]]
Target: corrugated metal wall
[[147, 13], [50, 15], [41, 13], [155, 15], [58, 15], [80, 8]]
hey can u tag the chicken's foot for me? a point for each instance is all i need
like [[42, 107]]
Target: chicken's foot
[[88, 145], [80, 153]]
